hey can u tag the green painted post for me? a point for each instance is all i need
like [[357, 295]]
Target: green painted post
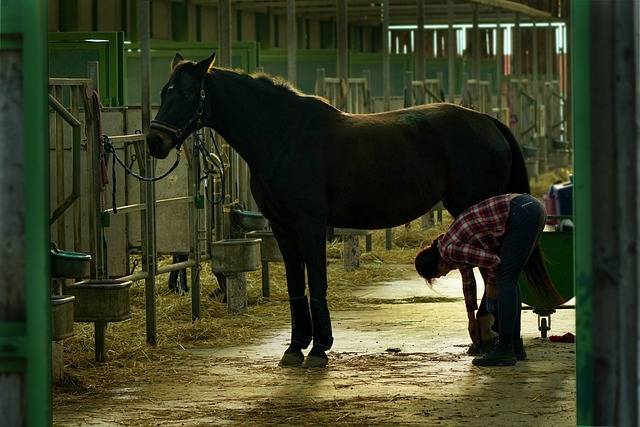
[[581, 103], [23, 26]]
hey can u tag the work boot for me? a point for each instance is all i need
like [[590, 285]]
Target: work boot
[[500, 355], [482, 348], [317, 358], [518, 349], [292, 356]]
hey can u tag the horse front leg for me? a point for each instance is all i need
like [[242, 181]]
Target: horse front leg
[[312, 233], [301, 329]]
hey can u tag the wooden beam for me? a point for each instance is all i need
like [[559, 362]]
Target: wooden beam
[[517, 8]]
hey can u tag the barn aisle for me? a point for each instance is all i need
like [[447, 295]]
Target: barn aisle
[[401, 359]]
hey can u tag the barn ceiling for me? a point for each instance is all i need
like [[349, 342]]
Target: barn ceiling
[[404, 11]]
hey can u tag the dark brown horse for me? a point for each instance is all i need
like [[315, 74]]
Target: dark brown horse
[[313, 165]]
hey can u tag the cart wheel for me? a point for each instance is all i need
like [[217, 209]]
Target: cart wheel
[[543, 327]]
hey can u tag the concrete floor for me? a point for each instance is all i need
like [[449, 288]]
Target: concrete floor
[[399, 360]]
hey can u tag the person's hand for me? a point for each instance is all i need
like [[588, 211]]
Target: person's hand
[[473, 328]]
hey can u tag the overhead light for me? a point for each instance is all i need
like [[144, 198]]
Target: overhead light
[[96, 40]]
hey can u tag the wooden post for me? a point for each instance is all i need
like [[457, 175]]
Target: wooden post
[[499, 62], [386, 65], [451, 51], [614, 232], [386, 85], [99, 330], [516, 49], [542, 164], [366, 75], [408, 89], [475, 49], [320, 82], [343, 54], [351, 249], [292, 42], [420, 52], [12, 211], [265, 280], [236, 293]]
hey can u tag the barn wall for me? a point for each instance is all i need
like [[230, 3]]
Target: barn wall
[[209, 24], [314, 34], [161, 20]]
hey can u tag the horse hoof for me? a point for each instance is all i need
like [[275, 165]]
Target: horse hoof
[[293, 358], [315, 361]]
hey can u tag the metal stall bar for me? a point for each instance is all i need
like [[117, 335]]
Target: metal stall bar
[[75, 124], [386, 88], [194, 228], [147, 190], [25, 316], [224, 59]]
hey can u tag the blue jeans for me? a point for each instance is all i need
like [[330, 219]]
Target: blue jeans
[[525, 222]]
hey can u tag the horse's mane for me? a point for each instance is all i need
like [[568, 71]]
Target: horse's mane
[[274, 83], [277, 82]]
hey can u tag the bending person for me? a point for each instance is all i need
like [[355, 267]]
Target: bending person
[[498, 235]]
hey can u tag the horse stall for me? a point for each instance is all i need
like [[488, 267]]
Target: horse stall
[[184, 305]]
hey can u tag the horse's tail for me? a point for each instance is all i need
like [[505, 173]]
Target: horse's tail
[[535, 270]]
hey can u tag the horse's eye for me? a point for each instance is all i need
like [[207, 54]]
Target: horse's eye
[[170, 87]]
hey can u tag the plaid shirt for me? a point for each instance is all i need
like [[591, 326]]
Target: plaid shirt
[[474, 240]]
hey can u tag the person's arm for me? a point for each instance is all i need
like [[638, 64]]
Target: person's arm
[[471, 302], [489, 277], [469, 289]]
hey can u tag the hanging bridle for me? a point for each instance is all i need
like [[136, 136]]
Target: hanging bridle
[[179, 133]]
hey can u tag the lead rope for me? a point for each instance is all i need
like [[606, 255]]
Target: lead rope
[[112, 150]]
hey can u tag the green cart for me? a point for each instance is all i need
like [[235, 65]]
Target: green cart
[[557, 247]]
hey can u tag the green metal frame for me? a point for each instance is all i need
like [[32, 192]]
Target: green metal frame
[[580, 107], [245, 56], [32, 341], [111, 58]]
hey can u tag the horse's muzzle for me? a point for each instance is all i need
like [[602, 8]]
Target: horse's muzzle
[[159, 144]]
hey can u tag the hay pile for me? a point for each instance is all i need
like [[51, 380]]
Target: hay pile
[[129, 359], [541, 184]]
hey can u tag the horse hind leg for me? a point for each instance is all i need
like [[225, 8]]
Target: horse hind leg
[[301, 329]]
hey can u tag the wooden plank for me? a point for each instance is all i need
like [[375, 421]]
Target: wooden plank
[[512, 6]]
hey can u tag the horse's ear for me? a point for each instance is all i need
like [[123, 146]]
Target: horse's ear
[[176, 60], [206, 65]]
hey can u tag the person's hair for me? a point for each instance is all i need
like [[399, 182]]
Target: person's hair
[[427, 260]]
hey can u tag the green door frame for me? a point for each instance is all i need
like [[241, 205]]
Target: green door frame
[[580, 107], [27, 346]]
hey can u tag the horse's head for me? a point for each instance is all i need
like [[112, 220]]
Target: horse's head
[[182, 106]]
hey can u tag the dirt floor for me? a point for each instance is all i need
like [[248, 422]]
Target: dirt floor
[[399, 358]]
